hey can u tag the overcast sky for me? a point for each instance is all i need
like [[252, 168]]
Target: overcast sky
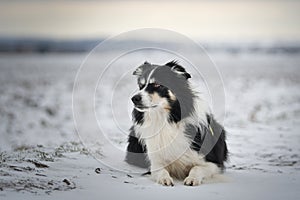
[[208, 19]]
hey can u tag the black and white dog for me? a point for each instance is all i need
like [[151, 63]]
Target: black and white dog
[[174, 133]]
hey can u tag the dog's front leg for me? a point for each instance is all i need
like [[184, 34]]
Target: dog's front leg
[[162, 177], [159, 173], [199, 172]]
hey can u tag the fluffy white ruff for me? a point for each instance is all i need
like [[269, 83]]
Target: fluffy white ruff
[[168, 147]]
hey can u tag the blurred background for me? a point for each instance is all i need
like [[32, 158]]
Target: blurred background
[[255, 44], [41, 25]]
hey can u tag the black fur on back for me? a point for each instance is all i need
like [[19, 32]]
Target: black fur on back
[[212, 145], [219, 153]]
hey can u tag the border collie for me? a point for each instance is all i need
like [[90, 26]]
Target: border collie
[[174, 133]]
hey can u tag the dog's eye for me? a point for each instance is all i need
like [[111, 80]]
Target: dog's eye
[[156, 85]]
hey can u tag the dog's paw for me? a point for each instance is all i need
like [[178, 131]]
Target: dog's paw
[[166, 181], [191, 181]]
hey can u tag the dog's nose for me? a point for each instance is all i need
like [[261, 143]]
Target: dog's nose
[[136, 99]]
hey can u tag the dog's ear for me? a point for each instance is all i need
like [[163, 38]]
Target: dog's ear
[[139, 70], [178, 69]]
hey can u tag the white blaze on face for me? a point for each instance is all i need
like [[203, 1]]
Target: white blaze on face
[[152, 80], [142, 81], [146, 100]]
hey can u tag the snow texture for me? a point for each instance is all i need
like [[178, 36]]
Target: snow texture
[[41, 155]]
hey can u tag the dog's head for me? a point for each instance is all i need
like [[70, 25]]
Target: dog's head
[[163, 88]]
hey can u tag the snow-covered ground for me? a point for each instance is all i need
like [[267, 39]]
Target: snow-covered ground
[[41, 155]]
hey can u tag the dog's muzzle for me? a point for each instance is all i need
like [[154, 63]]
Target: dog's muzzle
[[137, 100], [138, 103]]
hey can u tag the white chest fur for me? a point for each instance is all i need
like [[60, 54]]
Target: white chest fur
[[167, 145]]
